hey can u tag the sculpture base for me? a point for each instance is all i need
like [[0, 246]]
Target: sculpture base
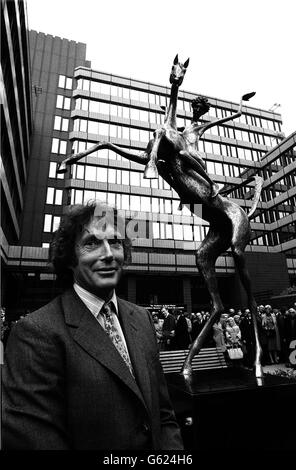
[[230, 410]]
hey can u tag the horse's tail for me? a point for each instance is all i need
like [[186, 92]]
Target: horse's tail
[[258, 188]]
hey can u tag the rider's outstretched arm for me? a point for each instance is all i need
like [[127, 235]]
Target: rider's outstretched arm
[[207, 126]]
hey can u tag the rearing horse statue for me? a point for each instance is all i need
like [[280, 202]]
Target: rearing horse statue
[[174, 155]]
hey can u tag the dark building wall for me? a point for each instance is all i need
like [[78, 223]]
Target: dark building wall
[[50, 57], [16, 122]]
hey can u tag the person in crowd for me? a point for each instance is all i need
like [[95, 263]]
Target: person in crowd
[[197, 325], [189, 323], [83, 372], [182, 338], [232, 333], [218, 335], [247, 338], [231, 312], [237, 319], [158, 328], [270, 331], [291, 326], [168, 328]]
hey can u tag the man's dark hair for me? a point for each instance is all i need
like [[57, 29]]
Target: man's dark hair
[[62, 248]]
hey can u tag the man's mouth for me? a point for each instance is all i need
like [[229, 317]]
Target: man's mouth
[[109, 270]]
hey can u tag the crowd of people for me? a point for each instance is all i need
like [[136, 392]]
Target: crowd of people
[[277, 328]]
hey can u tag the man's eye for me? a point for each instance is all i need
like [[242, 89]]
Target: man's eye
[[91, 243], [115, 242]]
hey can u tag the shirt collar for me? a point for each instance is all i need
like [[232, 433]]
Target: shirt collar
[[93, 302]]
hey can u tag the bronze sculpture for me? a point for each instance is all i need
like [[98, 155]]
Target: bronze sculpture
[[173, 154]]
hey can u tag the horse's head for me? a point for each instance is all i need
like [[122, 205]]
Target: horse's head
[[178, 71]]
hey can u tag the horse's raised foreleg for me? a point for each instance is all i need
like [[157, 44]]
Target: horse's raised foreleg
[[210, 249], [240, 264]]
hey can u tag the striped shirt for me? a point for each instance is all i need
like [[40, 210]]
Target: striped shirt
[[95, 304]]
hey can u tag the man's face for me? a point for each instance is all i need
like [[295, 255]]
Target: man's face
[[100, 257]]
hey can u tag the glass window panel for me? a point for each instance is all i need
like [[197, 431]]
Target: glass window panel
[[111, 198], [113, 110], [92, 127], [135, 203], [55, 145], [94, 107], [135, 114], [111, 175], [196, 231], [78, 103], [155, 205], [86, 84], [45, 245], [65, 124], [52, 169], [145, 182], [144, 136], [210, 167], [80, 171], [95, 87], [125, 177], [219, 168], [90, 173], [103, 128], [125, 202], [105, 88], [84, 105], [57, 123], [188, 235], [162, 231], [78, 196], [208, 147], [134, 178], [60, 100], [56, 223], [69, 83], [178, 232], [216, 148], [125, 133], [104, 108], [49, 195], [125, 112], [155, 228], [145, 204], [144, 116], [102, 174], [63, 147], [134, 94], [47, 223], [135, 134], [58, 196], [112, 130], [62, 79], [167, 206], [79, 83], [169, 231], [125, 93], [67, 103], [240, 152], [83, 125]]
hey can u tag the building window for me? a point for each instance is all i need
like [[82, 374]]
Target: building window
[[51, 223], [63, 102], [65, 82], [61, 124], [54, 196], [59, 146], [53, 171]]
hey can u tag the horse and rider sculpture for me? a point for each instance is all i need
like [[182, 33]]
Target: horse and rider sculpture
[[174, 155]]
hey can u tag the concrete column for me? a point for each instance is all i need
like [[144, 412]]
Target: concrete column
[[132, 289], [187, 294]]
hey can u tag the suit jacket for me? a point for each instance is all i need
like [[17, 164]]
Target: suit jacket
[[65, 386]]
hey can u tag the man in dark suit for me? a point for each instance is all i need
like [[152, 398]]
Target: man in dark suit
[[83, 372]]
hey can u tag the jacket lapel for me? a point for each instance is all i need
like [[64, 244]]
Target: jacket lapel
[[89, 334], [136, 352]]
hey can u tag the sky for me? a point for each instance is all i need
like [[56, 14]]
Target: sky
[[234, 46]]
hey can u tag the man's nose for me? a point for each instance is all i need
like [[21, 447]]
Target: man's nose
[[106, 251]]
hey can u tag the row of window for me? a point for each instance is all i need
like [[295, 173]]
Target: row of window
[[51, 223], [61, 124], [131, 202], [157, 118], [53, 166], [163, 100], [140, 135]]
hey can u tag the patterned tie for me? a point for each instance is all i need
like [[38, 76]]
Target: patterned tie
[[112, 331]]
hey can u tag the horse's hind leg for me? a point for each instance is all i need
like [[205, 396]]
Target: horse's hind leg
[[210, 249], [240, 263]]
